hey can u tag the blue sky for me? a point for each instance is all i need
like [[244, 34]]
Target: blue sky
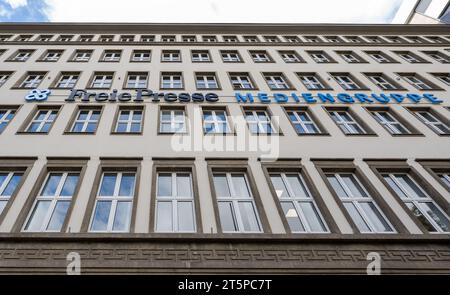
[[215, 11]]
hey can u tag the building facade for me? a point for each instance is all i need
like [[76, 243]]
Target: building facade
[[210, 148]]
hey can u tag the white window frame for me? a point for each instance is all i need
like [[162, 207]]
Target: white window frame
[[409, 57], [346, 126], [53, 199], [4, 120], [416, 201], [172, 81], [90, 113], [356, 200], [417, 82], [274, 83], [3, 78], [444, 78], [391, 123], [112, 55], [302, 123], [346, 85], [200, 56], [320, 57], [115, 198], [445, 177], [242, 81], [230, 56], [235, 200], [4, 185], [382, 82], [141, 56], [173, 121], [174, 199], [70, 82], [29, 82], [136, 83], [171, 56], [129, 121], [259, 56], [380, 58], [438, 57], [260, 123], [52, 55], [311, 82], [432, 125], [43, 121], [290, 57], [207, 82], [350, 57], [102, 81], [22, 55], [215, 121], [82, 55]]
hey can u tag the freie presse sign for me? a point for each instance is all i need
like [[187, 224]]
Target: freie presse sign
[[142, 95]]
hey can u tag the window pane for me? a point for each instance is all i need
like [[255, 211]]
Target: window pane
[[164, 184], [12, 185], [337, 187], [127, 185], [437, 216], [122, 217], [108, 184], [164, 217], [248, 216], [356, 217], [185, 217], [38, 215], [221, 185], [312, 217], [279, 186], [353, 185], [2, 205], [227, 217], [101, 216], [419, 215], [59, 215], [292, 217], [297, 186], [240, 185], [375, 217], [121, 127], [408, 184], [51, 184], [183, 184], [69, 186]]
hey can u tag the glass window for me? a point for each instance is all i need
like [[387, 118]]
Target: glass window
[[260, 56], [112, 55], [299, 208], [42, 121], [346, 81], [302, 121], [141, 56], [22, 55], [6, 115], [230, 56], [346, 122], [276, 81], [241, 81], [112, 210], [4, 76], [417, 81], [9, 182], [215, 121], [67, 80], [129, 121], [206, 81], [438, 56], [82, 55], [363, 210], [382, 81], [102, 80], [445, 177], [175, 208], [380, 57], [171, 56], [137, 80], [311, 81], [259, 122], [86, 121], [32, 80], [422, 206], [172, 121], [52, 55], [237, 208], [443, 77], [50, 208], [388, 121], [200, 56], [290, 57], [171, 81], [432, 121]]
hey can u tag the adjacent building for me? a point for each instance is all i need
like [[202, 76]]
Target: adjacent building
[[224, 148]]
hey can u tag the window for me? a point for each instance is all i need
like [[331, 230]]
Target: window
[[86, 38], [290, 56], [350, 57], [346, 81], [175, 209], [438, 56], [435, 39], [346, 122], [382, 81], [141, 56], [52, 55], [209, 39], [86, 120], [114, 202], [380, 57], [32, 80], [127, 38], [414, 39], [4, 76], [434, 121], [312, 81], [417, 81], [147, 38], [200, 56], [102, 80], [421, 205], [50, 208], [9, 182], [230, 56], [252, 39], [302, 121], [290, 39], [67, 80], [276, 81], [172, 121], [168, 38], [106, 38], [259, 122], [111, 55], [129, 120], [22, 55], [206, 81], [237, 209], [445, 178], [171, 81], [4, 38], [312, 39], [260, 56], [42, 121], [389, 121], [171, 56], [410, 57], [6, 115], [320, 57], [374, 39], [298, 206], [24, 38], [45, 38], [241, 81], [65, 38], [333, 39], [82, 55], [394, 39], [358, 203], [189, 39], [215, 121], [137, 80], [353, 39], [230, 39], [443, 77]]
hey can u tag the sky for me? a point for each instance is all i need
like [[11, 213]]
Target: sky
[[201, 11]]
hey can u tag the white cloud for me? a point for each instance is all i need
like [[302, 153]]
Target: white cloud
[[16, 3], [220, 11]]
